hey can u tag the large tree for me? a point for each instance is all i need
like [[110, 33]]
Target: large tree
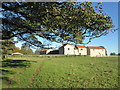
[[54, 21]]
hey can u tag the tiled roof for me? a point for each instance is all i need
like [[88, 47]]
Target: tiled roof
[[80, 46], [76, 46], [45, 50], [95, 47]]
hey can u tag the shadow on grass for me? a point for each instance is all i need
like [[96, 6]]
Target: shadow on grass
[[9, 63], [6, 81], [5, 72], [16, 63]]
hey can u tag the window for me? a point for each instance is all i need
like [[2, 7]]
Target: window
[[68, 48], [81, 49]]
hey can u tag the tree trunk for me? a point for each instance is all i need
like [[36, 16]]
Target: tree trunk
[[3, 57]]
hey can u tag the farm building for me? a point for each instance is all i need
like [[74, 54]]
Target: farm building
[[17, 53], [96, 51], [68, 49], [54, 52], [45, 51], [80, 50]]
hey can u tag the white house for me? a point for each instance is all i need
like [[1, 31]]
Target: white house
[[80, 50], [96, 51], [67, 49], [17, 53]]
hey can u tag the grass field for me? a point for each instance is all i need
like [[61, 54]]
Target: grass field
[[60, 72]]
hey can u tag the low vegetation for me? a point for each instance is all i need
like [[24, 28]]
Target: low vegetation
[[60, 72]]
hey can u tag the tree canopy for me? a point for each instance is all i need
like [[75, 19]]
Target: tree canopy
[[54, 21], [8, 46]]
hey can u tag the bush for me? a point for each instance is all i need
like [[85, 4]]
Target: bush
[[112, 53]]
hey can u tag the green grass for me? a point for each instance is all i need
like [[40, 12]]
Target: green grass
[[60, 72]]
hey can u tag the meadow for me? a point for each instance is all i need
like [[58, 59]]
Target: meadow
[[59, 72]]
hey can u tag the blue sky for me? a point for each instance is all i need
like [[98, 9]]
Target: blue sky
[[110, 41]]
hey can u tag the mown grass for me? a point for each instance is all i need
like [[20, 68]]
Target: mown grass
[[61, 72]]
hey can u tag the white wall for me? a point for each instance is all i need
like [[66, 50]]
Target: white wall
[[83, 51], [76, 51], [97, 52], [49, 51], [69, 50]]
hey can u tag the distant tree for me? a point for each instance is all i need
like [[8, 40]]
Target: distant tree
[[17, 49], [26, 50], [113, 53], [37, 52], [7, 46]]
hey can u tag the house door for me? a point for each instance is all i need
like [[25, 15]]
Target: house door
[[79, 53]]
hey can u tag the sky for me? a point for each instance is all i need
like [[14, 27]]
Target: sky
[[110, 41]]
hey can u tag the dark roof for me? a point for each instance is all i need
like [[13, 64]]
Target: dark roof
[[54, 52]]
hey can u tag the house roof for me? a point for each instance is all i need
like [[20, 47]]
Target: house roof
[[15, 53], [75, 45], [64, 45], [95, 47], [80, 46], [44, 50]]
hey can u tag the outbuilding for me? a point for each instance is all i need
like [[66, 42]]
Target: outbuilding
[[96, 51]]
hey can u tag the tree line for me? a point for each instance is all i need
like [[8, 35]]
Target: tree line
[[9, 47]]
